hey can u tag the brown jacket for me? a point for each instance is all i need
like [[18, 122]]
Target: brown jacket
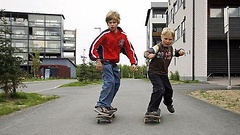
[[160, 63]]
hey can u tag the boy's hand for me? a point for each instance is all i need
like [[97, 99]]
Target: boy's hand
[[99, 65], [151, 55], [181, 52], [134, 68]]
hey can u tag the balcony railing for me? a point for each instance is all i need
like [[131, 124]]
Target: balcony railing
[[68, 48], [156, 34]]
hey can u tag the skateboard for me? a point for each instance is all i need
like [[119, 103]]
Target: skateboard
[[105, 118], [152, 118]]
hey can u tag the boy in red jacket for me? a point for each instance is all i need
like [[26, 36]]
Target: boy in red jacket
[[105, 50]]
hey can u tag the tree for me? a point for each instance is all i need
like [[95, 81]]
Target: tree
[[10, 73], [82, 72], [36, 63]]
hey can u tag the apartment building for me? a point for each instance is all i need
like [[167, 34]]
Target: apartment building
[[69, 44], [41, 33], [199, 29], [155, 22]]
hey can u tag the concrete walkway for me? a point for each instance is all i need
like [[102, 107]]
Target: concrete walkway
[[72, 113], [224, 81]]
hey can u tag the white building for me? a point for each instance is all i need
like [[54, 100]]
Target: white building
[[198, 26]]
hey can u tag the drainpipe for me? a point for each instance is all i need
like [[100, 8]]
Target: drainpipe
[[193, 43]]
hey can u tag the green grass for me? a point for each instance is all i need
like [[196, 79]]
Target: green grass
[[21, 101], [24, 100], [78, 83]]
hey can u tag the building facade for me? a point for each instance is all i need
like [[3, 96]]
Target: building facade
[[190, 25], [69, 44], [199, 29], [40, 33], [155, 22]]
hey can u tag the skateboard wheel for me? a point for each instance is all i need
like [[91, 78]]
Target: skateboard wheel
[[98, 121], [145, 120]]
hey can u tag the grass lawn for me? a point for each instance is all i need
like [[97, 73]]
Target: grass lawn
[[226, 99], [21, 101]]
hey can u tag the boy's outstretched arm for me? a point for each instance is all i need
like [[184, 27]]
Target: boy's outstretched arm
[[149, 54], [179, 52]]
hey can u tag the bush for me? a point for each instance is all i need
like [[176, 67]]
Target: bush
[[175, 76]]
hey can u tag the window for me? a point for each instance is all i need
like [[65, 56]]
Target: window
[[53, 44], [170, 16], [184, 4], [154, 29], [183, 29], [175, 7], [38, 31], [36, 43], [53, 31], [20, 43], [179, 3], [53, 19], [178, 32], [19, 30], [216, 12], [36, 18], [175, 38], [159, 14], [234, 12]]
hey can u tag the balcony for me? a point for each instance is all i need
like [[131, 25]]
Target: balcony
[[69, 38], [69, 48], [159, 20], [156, 34]]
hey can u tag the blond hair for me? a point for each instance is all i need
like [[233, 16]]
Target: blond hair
[[167, 31], [113, 15]]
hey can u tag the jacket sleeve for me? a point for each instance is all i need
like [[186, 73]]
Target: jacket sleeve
[[130, 52], [176, 52], [94, 50], [152, 50]]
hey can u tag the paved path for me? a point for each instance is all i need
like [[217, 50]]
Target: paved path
[[73, 114], [235, 81]]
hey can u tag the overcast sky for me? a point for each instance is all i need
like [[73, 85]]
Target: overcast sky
[[85, 15]]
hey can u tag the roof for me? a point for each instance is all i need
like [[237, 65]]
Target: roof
[[61, 59], [34, 13]]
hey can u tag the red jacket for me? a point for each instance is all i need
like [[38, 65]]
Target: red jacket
[[108, 46]]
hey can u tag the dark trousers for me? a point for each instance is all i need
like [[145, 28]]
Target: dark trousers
[[161, 88]]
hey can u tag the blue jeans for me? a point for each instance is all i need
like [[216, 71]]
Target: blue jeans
[[111, 83]]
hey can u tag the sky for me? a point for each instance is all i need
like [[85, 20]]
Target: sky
[[86, 15]]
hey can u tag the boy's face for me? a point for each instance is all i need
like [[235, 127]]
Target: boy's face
[[167, 39], [112, 25]]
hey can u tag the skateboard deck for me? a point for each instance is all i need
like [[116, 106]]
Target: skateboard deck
[[105, 118], [152, 118]]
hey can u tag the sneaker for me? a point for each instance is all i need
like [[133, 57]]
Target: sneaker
[[102, 110], [155, 113], [112, 109], [169, 107]]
